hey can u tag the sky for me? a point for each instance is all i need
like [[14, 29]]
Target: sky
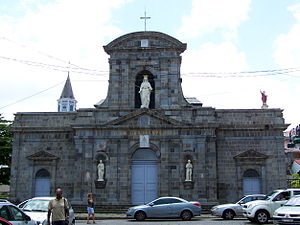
[[235, 49]]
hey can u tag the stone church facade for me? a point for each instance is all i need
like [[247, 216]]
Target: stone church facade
[[145, 150]]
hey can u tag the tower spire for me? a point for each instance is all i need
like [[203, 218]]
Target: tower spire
[[67, 101]]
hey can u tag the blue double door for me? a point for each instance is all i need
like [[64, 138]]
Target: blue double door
[[143, 182]]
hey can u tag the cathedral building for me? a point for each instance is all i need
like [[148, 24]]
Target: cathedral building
[[146, 140]]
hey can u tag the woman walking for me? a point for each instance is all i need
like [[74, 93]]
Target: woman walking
[[90, 208]]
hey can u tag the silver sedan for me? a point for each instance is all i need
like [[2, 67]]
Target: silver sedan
[[166, 207], [229, 211]]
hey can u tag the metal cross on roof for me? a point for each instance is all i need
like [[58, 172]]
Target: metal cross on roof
[[145, 18]]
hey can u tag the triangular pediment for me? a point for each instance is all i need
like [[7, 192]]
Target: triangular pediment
[[155, 118], [250, 155], [42, 156]]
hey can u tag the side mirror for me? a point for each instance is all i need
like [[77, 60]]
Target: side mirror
[[27, 218], [151, 204]]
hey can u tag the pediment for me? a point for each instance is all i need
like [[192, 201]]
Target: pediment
[[153, 118], [156, 40], [250, 155], [42, 156]]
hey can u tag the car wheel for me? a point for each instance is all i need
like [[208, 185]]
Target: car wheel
[[186, 215], [262, 216], [228, 214], [140, 215]]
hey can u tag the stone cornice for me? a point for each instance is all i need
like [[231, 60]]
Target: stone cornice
[[118, 43]]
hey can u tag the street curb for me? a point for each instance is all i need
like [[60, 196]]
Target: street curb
[[117, 217]]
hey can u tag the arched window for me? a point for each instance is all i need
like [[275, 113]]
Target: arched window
[[42, 173], [251, 173], [144, 155], [138, 81]]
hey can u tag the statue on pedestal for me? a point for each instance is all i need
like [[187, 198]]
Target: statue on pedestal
[[100, 168], [189, 171], [145, 91], [264, 99]]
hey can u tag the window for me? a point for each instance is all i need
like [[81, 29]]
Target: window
[[4, 213], [16, 214], [245, 200], [174, 200], [283, 196], [296, 192], [166, 201]]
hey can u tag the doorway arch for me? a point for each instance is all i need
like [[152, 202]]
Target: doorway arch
[[143, 176], [42, 183], [138, 81], [251, 182]]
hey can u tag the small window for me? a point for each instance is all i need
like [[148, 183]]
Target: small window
[[144, 43]]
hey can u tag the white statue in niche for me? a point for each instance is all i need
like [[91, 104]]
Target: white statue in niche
[[100, 168], [145, 91], [189, 171]]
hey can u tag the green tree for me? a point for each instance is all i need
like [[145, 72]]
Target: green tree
[[296, 180], [5, 150]]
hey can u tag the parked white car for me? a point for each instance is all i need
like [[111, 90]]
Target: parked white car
[[37, 209], [14, 215], [261, 211], [229, 211], [289, 213]]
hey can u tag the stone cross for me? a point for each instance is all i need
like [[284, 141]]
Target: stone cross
[[145, 18]]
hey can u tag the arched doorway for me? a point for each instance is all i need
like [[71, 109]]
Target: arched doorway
[[138, 81], [143, 176], [251, 182], [42, 183]]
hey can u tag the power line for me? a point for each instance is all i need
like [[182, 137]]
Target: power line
[[23, 99], [78, 69]]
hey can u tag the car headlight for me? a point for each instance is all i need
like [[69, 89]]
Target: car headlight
[[275, 214], [214, 208]]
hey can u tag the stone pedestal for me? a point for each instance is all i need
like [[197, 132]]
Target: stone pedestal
[[188, 185], [100, 184]]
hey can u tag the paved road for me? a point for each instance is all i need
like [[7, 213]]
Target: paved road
[[198, 221]]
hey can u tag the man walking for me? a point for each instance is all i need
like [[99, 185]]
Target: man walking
[[59, 209]]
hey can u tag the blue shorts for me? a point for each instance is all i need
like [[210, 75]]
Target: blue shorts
[[90, 210]]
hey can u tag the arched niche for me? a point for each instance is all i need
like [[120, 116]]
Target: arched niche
[[138, 81]]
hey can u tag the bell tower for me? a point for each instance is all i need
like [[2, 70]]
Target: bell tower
[[134, 55]]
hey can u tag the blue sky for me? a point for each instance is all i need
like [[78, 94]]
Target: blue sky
[[221, 36]]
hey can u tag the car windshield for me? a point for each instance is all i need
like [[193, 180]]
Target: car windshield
[[271, 195], [36, 205], [293, 202]]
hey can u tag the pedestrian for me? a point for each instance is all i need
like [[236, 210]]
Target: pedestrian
[[59, 209], [90, 208]]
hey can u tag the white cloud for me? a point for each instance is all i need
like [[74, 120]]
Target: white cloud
[[224, 57], [208, 16], [72, 30], [287, 48]]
